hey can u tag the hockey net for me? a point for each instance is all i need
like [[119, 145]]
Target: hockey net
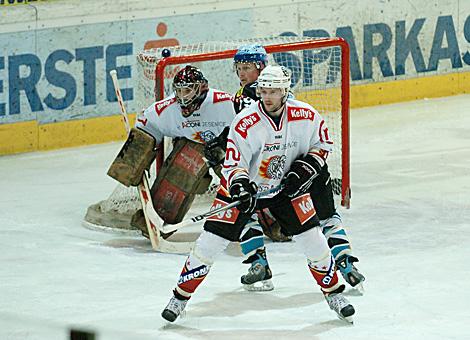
[[320, 77]]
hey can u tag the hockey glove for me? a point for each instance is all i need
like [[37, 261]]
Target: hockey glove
[[214, 150], [244, 191], [300, 176]]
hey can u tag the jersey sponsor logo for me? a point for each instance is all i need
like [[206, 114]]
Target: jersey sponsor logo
[[162, 105], [303, 207], [203, 136], [190, 124], [273, 167], [280, 147], [221, 97], [214, 124], [272, 147], [246, 123], [227, 216], [299, 113]]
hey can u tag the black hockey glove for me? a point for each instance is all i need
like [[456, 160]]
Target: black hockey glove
[[300, 176], [214, 150], [245, 191]]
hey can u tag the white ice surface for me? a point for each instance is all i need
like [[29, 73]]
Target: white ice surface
[[409, 225]]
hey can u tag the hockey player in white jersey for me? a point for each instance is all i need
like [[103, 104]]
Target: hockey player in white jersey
[[193, 111], [193, 115], [276, 141], [249, 61]]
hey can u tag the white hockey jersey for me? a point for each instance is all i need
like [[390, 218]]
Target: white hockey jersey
[[257, 147], [164, 118]]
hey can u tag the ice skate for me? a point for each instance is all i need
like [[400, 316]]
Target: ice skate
[[259, 274], [340, 305], [350, 273], [174, 309]]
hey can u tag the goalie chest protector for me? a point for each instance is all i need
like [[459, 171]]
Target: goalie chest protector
[[183, 175]]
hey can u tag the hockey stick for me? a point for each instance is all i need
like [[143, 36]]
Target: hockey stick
[[143, 187], [167, 228]]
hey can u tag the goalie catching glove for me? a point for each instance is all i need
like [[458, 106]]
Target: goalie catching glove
[[300, 176], [244, 191]]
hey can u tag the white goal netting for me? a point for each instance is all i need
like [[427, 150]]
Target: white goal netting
[[320, 77]]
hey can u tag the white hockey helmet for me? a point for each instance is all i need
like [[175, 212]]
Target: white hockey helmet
[[274, 76]]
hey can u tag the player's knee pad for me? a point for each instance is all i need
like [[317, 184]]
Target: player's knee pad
[[208, 247], [251, 237], [313, 244]]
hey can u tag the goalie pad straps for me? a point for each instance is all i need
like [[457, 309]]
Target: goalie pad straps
[[136, 155]]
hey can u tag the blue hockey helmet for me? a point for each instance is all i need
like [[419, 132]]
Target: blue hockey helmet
[[253, 53]]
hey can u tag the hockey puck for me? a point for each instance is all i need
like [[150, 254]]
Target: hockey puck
[[166, 53]]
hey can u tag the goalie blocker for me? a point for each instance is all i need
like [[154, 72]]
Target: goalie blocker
[[135, 156]]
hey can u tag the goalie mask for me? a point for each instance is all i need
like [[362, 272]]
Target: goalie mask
[[190, 88], [274, 82]]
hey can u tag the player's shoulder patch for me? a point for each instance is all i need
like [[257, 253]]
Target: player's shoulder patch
[[163, 104], [300, 113], [246, 122], [220, 96]]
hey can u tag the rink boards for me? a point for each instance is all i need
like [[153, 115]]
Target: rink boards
[[55, 92]]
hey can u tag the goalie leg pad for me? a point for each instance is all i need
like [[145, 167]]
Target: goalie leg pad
[[179, 180], [271, 227], [136, 155]]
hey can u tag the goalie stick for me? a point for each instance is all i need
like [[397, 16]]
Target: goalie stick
[[168, 228], [158, 243]]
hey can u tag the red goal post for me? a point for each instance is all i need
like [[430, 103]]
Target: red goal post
[[288, 47]]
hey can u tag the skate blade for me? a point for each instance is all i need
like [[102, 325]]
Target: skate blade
[[358, 289], [348, 319], [260, 286], [169, 317]]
